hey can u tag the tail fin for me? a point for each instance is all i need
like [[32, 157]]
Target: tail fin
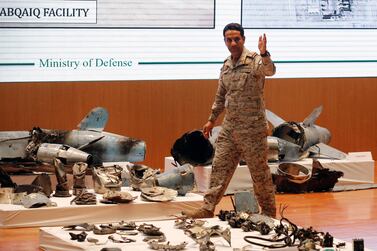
[[95, 120], [309, 120]]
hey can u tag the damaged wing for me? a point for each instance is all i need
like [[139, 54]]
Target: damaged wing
[[309, 120], [322, 149], [274, 119]]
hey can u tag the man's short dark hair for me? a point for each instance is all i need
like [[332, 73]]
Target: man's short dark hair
[[234, 26]]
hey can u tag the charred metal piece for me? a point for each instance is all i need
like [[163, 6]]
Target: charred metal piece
[[158, 194], [141, 176], [159, 238], [103, 229], [288, 234], [79, 172], [236, 221], [79, 237], [43, 180], [166, 246], [358, 244], [202, 234], [261, 227], [25, 188], [62, 189], [184, 222], [152, 232], [131, 225], [80, 227], [225, 215], [127, 232], [35, 200], [150, 229], [121, 240], [307, 245], [85, 198], [107, 178], [193, 148], [121, 226], [321, 179], [328, 240], [5, 179], [248, 221], [117, 197]]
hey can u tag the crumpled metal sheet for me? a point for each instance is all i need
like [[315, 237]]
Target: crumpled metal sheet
[[35, 200], [118, 197], [158, 194], [141, 176]]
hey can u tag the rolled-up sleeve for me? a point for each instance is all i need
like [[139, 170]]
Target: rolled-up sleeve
[[268, 68]]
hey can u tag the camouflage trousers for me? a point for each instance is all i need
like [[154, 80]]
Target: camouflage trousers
[[231, 146]]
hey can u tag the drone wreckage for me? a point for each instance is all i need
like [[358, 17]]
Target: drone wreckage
[[80, 152], [88, 143], [270, 233], [290, 141], [107, 180]]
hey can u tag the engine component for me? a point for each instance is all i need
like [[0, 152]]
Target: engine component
[[47, 152]]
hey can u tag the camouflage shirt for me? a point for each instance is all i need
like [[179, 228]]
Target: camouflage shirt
[[240, 91]]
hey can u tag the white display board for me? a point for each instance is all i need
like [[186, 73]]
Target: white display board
[[92, 40]]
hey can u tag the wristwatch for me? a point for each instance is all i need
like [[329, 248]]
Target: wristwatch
[[266, 54]]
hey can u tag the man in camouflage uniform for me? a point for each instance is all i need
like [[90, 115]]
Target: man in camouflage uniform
[[244, 129]]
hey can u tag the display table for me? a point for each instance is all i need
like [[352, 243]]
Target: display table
[[58, 239], [357, 167], [65, 213]]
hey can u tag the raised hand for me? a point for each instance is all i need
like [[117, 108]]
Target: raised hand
[[262, 44]]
